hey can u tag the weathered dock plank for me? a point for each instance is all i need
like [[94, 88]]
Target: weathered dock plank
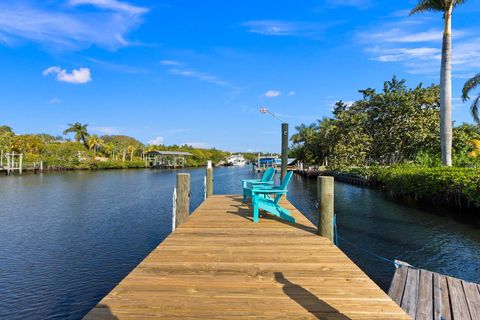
[[431, 296], [220, 265]]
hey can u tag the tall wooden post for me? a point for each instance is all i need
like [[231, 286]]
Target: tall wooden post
[[284, 149], [183, 198], [325, 192], [20, 164], [209, 181], [8, 163]]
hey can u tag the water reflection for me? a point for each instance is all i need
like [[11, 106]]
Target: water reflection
[[66, 239]]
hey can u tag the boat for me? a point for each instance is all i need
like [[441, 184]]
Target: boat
[[236, 160]]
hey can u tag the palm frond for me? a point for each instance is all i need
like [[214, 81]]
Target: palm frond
[[469, 86], [474, 109], [429, 5]]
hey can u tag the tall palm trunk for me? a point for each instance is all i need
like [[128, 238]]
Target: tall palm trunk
[[446, 91]]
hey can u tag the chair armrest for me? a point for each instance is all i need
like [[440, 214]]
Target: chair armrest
[[262, 182], [269, 191], [250, 180]]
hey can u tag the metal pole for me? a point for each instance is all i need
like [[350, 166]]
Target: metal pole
[[284, 149]]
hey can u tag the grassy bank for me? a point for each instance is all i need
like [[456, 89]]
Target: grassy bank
[[449, 186]]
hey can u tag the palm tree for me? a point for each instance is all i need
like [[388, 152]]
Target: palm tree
[[80, 130], [131, 149], [469, 86], [445, 6], [94, 142]]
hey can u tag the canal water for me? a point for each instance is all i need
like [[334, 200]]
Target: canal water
[[66, 239]]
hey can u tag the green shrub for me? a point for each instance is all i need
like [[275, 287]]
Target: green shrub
[[455, 186]]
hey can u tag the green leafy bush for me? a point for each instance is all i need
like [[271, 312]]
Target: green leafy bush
[[452, 186]]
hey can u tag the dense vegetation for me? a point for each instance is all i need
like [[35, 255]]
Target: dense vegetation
[[452, 186], [393, 137], [91, 151], [397, 125]]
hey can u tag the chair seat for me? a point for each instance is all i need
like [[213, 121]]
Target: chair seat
[[267, 204]]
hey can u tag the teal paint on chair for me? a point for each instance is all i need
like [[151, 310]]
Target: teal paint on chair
[[261, 200], [249, 184]]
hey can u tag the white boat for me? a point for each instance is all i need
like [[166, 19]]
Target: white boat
[[236, 160]]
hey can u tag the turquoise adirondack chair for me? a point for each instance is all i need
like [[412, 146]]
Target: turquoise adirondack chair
[[261, 199], [249, 184]]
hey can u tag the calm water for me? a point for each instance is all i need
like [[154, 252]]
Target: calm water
[[66, 239]]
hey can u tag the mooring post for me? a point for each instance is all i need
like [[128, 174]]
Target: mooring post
[[8, 163], [325, 199], [183, 198], [20, 164], [209, 181], [41, 166]]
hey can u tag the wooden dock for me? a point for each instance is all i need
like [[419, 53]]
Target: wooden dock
[[220, 265], [426, 295]]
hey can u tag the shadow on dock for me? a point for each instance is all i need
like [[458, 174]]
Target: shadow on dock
[[101, 312], [317, 307]]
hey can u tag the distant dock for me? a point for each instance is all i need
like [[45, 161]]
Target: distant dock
[[218, 264], [426, 295]]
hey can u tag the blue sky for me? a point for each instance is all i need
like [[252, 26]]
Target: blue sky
[[197, 72]]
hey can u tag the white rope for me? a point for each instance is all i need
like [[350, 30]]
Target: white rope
[[174, 208]]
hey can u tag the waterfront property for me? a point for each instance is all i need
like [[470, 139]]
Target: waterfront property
[[218, 264], [166, 159]]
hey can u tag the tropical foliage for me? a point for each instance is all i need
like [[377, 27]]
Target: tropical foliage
[[452, 186], [383, 128], [469, 86], [92, 151]]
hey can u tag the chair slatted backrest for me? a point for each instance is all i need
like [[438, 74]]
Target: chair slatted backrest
[[283, 186], [268, 175]]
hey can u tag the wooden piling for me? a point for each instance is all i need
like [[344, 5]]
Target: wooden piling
[[209, 179], [20, 164], [325, 206], [183, 198], [9, 163]]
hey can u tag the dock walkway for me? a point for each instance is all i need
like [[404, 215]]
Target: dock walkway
[[426, 295], [220, 265]]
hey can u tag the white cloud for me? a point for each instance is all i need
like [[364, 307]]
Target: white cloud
[[178, 69], [54, 100], [169, 63], [105, 130], [111, 5], [272, 94], [156, 141], [405, 42], [58, 27], [288, 28], [200, 145], [292, 93], [78, 76], [199, 75]]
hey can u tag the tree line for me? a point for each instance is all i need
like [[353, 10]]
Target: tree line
[[86, 151], [396, 125]]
